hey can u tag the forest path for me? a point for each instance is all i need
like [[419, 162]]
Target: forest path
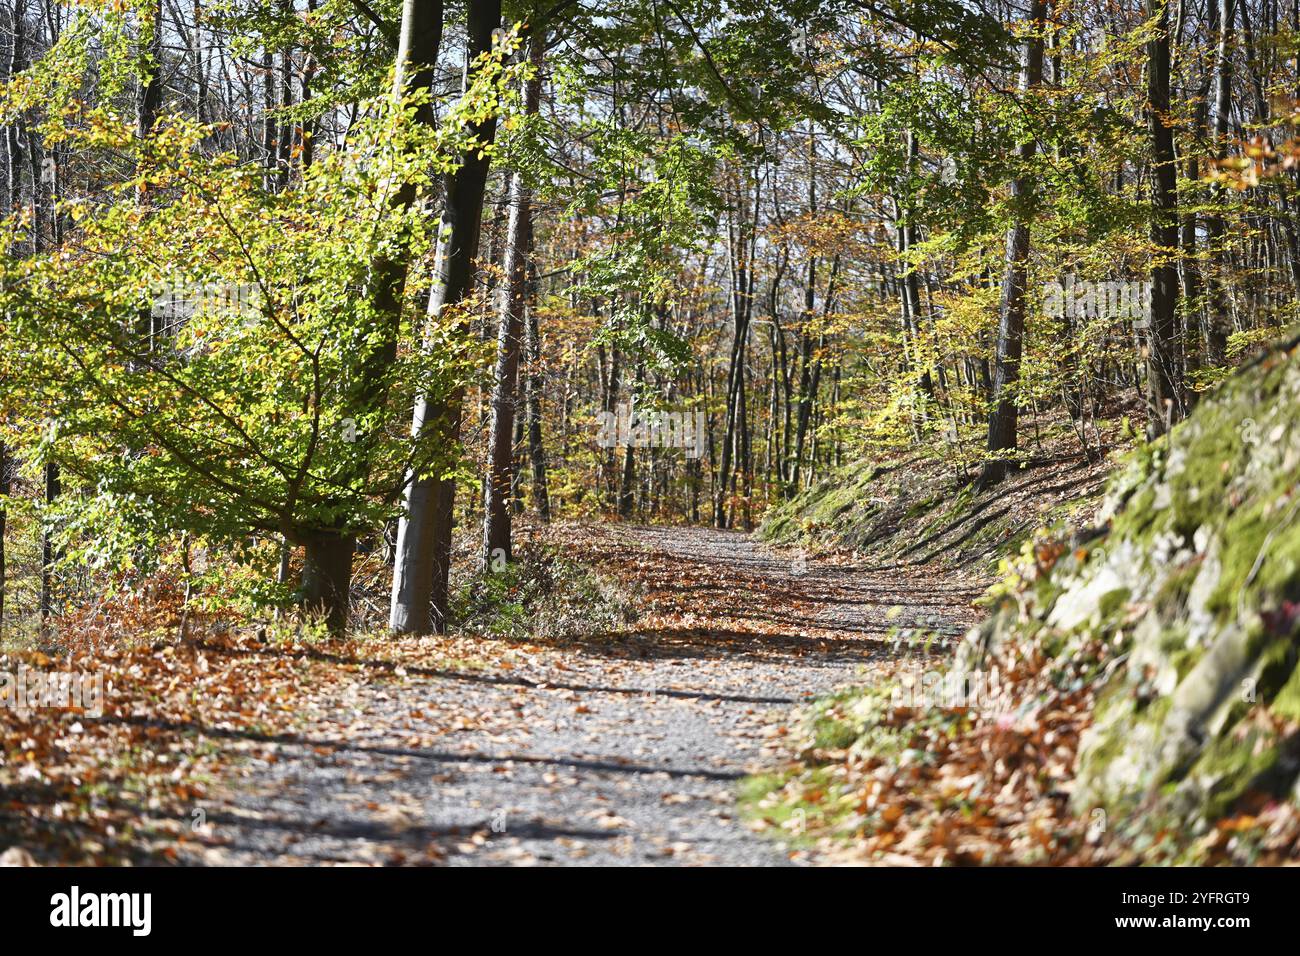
[[616, 749]]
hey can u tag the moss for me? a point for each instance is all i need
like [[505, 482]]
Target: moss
[[1199, 489], [1243, 538], [832, 505], [835, 734], [780, 529], [1184, 659], [1172, 595], [1229, 766], [1173, 640], [1278, 572], [1112, 602], [1155, 711], [1138, 516], [922, 507], [835, 722], [1047, 588], [755, 788], [1286, 703], [1118, 717], [1276, 668], [833, 508], [1115, 708]]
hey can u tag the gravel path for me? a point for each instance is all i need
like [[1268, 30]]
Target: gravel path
[[622, 751]]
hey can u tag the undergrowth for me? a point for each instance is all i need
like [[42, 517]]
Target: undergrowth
[[540, 594]]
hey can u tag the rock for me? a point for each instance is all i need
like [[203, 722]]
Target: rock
[[1080, 604], [1197, 580]]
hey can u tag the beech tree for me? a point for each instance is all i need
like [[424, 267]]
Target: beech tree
[[313, 293], [1013, 306], [423, 555]]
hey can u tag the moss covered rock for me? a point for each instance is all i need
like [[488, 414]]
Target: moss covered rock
[[1197, 582]]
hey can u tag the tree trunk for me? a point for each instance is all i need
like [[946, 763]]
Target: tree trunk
[[742, 303], [496, 506], [1164, 366], [200, 68], [327, 577], [807, 390], [151, 85], [533, 380], [1218, 321], [422, 562], [907, 240], [53, 478], [1011, 314], [514, 303], [268, 116], [148, 101], [284, 136], [626, 489], [53, 487], [4, 494], [12, 197]]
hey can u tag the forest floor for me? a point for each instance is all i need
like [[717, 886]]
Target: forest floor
[[226, 741], [621, 748]]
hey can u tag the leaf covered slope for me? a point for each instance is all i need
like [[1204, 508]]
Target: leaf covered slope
[[1193, 591]]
